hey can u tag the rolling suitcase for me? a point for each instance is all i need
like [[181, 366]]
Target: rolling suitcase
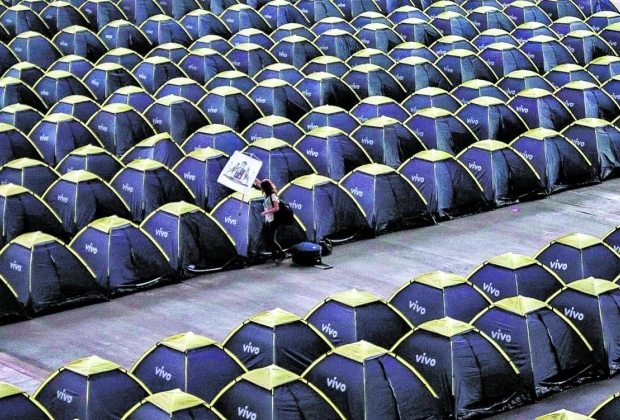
[[307, 254]]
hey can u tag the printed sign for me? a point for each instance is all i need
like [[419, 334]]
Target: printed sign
[[240, 172]]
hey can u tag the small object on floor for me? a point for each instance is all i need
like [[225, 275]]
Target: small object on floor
[[307, 254]]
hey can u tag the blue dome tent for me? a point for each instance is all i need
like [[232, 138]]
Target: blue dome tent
[[440, 129], [377, 106], [214, 42], [379, 36], [192, 239], [370, 56], [323, 88], [547, 52], [454, 23], [216, 136], [79, 197], [604, 68], [412, 49], [491, 118], [57, 135], [600, 20], [278, 13], [564, 25], [46, 274], [60, 14], [586, 45], [415, 73], [80, 41], [125, 57], [22, 211], [273, 393], [229, 106], [559, 163], [510, 275], [451, 43], [14, 91], [446, 184], [611, 34], [276, 337], [241, 16], [505, 175], [93, 159], [549, 351], [161, 29], [352, 316], [599, 140], [29, 173], [200, 170], [591, 304], [203, 63], [20, 116], [250, 58], [338, 43], [14, 144], [160, 147], [179, 8], [145, 185], [74, 64], [489, 17], [18, 405], [475, 88], [18, 19], [325, 209], [318, 10], [371, 80], [277, 97], [577, 256], [182, 87], [78, 106], [173, 51], [99, 13], [566, 73], [541, 109], [134, 96], [106, 78], [528, 30], [405, 12], [363, 10], [437, 295], [289, 29], [519, 80], [295, 50], [252, 36], [273, 126], [587, 100], [121, 33], [522, 11], [330, 116], [491, 36], [138, 11], [372, 382], [561, 9], [199, 23], [123, 257], [416, 29], [153, 72], [34, 48], [171, 405], [58, 84], [281, 71], [431, 97], [176, 116], [461, 65], [387, 141], [505, 58], [120, 127], [97, 386], [232, 78]]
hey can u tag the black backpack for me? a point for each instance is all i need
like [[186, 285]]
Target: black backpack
[[284, 215]]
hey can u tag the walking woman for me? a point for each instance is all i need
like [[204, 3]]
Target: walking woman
[[271, 204]]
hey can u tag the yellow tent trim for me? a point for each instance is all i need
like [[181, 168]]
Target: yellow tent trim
[[179, 208], [413, 60], [593, 122], [79, 175], [106, 224], [448, 327], [187, 341], [145, 164], [375, 169], [270, 377], [269, 143], [593, 286], [311, 180], [578, 240], [354, 298], [512, 261], [214, 129], [119, 51], [89, 149], [487, 101], [321, 75], [490, 145], [434, 112], [325, 131], [432, 155], [92, 365], [109, 67], [171, 99], [152, 140], [205, 154], [580, 85], [327, 59], [563, 415], [359, 351], [271, 83], [174, 400], [7, 190], [377, 100], [274, 317], [247, 197], [226, 90], [605, 60], [459, 52], [439, 279], [534, 93], [520, 305], [607, 400], [30, 239], [7, 390]]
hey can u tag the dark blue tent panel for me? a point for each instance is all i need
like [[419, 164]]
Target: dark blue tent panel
[[29, 173], [18, 405]]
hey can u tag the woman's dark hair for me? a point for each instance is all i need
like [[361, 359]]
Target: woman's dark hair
[[267, 187]]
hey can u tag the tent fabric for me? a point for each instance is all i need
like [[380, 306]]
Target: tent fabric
[[587, 100], [437, 295], [491, 118], [189, 362], [280, 71], [18, 405], [122, 33], [29, 173], [190, 237], [134, 96], [92, 388], [153, 72], [431, 97], [273, 126], [390, 201], [232, 78], [439, 129], [329, 116], [35, 48], [472, 89], [505, 175], [469, 372], [370, 56], [160, 147], [14, 144], [74, 64], [274, 393], [322, 88], [216, 136], [547, 52], [46, 274], [607, 409], [176, 116], [461, 65], [376, 106], [367, 381], [80, 41], [183, 87], [549, 351], [250, 58], [26, 72], [123, 256], [371, 80], [277, 97], [276, 337], [106, 78], [541, 109], [519, 80], [161, 29], [229, 106], [93, 159], [562, 74], [20, 116], [78, 106], [14, 91], [415, 73], [351, 316], [173, 404]]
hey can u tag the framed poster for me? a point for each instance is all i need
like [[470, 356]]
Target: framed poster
[[240, 172]]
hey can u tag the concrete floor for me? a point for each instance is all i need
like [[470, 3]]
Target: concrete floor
[[214, 304]]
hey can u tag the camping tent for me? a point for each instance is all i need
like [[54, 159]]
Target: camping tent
[[607, 409], [176, 116], [216, 136], [491, 118], [431, 97], [91, 388], [78, 106], [539, 108], [47, 274], [475, 88], [505, 175], [376, 106], [276, 337], [273, 126], [437, 295], [353, 315], [278, 97], [366, 381], [20, 116], [172, 405], [577, 256], [518, 80], [160, 147], [509, 275], [134, 96], [390, 201], [587, 100], [190, 362], [549, 351], [439, 129], [190, 237], [274, 393], [322, 88], [564, 414], [93, 159], [329, 116], [122, 256], [546, 52], [229, 106], [17, 405], [32, 174], [469, 372]]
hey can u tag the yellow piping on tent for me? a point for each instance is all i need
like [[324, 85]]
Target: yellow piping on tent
[[174, 400], [270, 377], [448, 327], [563, 414], [274, 317]]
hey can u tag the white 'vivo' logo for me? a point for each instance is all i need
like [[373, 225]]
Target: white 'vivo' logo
[[142, 76], [511, 91], [311, 152], [616, 248], [333, 383], [62, 198], [307, 93], [127, 187], [421, 358], [64, 396], [157, 121], [45, 93], [230, 220], [255, 137], [418, 132], [355, 86], [448, 69], [558, 265], [245, 413], [326, 328], [192, 67], [569, 104], [91, 248], [579, 143], [283, 54], [415, 306], [490, 289], [102, 127], [261, 100], [44, 138], [572, 313], [357, 192], [499, 335], [211, 110], [522, 109], [188, 175], [472, 165], [527, 155], [417, 178], [472, 120], [159, 371], [94, 82], [161, 232], [295, 205], [311, 126], [366, 140], [249, 348], [15, 267]]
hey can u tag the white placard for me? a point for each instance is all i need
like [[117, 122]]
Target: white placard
[[240, 172]]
